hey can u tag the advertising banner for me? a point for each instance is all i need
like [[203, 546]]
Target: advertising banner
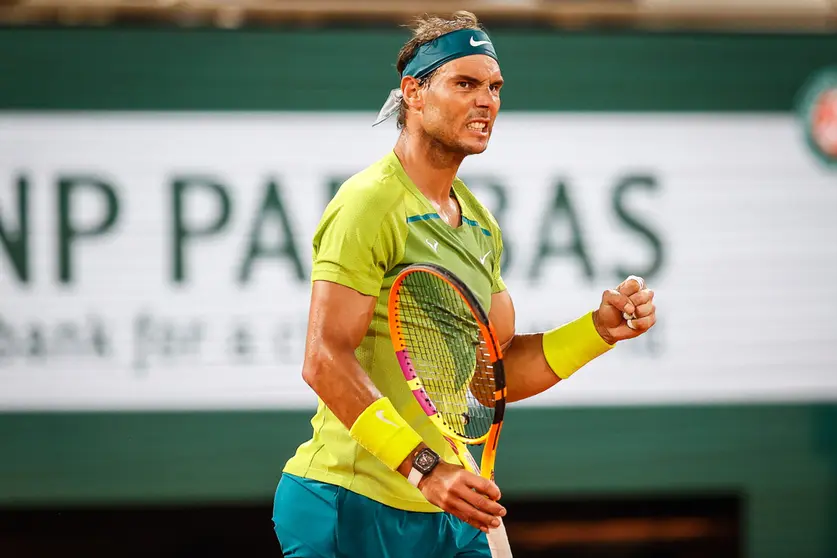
[[162, 260]]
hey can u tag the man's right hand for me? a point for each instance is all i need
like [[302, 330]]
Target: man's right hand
[[469, 497]]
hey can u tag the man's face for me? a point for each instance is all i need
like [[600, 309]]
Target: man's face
[[461, 102]]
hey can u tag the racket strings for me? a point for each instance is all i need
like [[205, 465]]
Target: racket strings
[[448, 352]]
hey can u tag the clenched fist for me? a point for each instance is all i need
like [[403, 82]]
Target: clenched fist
[[625, 312]]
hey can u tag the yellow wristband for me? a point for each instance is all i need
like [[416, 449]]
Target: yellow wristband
[[573, 345], [384, 433]]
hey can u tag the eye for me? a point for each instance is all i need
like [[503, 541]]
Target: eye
[[494, 88], [464, 84]]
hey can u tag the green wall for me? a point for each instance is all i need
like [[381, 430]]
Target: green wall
[[350, 70], [782, 459]]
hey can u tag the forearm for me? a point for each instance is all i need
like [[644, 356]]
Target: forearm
[[349, 393], [527, 372], [536, 362], [339, 380]]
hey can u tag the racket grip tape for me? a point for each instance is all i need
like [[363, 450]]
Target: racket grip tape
[[498, 542]]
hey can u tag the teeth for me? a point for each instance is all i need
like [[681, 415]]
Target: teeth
[[476, 126]]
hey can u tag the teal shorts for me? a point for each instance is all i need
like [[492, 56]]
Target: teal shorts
[[318, 520]]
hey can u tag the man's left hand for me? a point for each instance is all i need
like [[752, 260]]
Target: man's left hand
[[630, 298]]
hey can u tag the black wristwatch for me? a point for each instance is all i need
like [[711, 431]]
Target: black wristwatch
[[423, 463]]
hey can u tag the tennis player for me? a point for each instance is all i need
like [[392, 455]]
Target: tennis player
[[377, 480]]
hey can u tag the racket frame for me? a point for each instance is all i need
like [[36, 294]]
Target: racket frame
[[495, 352], [497, 538]]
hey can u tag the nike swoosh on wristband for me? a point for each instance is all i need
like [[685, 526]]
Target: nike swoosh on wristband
[[475, 43], [382, 418]]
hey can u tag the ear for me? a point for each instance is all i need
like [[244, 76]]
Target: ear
[[413, 93]]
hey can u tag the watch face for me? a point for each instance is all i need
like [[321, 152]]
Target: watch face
[[426, 460]]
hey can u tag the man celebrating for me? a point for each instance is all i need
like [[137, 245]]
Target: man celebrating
[[346, 491]]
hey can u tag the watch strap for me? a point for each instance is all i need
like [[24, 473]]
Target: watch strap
[[415, 477]]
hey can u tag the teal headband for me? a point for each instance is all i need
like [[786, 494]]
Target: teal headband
[[450, 46], [431, 55]]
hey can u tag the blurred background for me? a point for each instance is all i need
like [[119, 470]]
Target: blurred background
[[164, 164]]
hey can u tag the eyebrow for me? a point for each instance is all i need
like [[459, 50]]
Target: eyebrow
[[472, 79]]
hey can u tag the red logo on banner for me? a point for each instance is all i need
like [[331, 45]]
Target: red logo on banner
[[824, 122]]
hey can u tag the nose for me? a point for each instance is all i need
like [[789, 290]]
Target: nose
[[485, 98]]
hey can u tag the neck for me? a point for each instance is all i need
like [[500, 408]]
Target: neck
[[430, 166]]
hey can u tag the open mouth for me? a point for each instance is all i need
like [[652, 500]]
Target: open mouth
[[481, 127]]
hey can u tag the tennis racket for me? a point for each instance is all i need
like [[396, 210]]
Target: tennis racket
[[452, 362]]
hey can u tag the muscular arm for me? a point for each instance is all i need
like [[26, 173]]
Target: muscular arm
[[527, 372], [574, 344], [338, 319]]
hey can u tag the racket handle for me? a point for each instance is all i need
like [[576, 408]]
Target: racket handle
[[498, 542]]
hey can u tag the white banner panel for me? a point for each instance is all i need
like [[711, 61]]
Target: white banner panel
[[161, 260]]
